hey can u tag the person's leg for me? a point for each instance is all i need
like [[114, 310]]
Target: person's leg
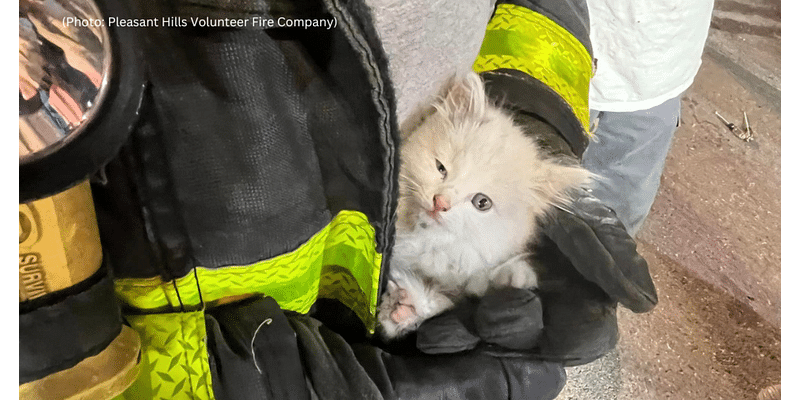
[[628, 151]]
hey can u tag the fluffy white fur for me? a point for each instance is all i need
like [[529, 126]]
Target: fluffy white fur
[[443, 254]]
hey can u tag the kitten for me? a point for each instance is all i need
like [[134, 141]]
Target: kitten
[[472, 185]]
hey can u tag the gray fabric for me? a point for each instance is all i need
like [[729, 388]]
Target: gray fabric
[[426, 41], [628, 151]]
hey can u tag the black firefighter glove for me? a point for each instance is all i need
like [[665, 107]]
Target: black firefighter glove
[[586, 264], [585, 260], [591, 266], [258, 351]]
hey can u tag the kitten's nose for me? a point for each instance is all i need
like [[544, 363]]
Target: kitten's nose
[[440, 203]]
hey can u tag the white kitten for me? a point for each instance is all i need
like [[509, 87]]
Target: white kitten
[[472, 185]]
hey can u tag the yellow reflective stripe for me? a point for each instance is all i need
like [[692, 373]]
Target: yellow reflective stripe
[[350, 249], [524, 40], [174, 357], [292, 279]]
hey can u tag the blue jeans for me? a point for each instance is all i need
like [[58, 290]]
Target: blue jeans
[[628, 151]]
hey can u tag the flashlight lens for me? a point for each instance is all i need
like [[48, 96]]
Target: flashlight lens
[[64, 66]]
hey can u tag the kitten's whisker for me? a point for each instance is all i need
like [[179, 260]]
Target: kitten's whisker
[[407, 178], [560, 207], [411, 189], [408, 182]]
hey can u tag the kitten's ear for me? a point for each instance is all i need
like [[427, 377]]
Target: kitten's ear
[[464, 97]]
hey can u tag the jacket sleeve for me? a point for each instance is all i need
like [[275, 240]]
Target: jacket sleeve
[[537, 59]]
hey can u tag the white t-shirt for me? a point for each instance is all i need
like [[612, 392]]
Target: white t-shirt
[[647, 51]]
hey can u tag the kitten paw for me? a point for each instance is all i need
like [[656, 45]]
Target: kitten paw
[[397, 313], [515, 273], [403, 313]]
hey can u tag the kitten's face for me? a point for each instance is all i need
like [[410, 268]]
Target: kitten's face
[[458, 182], [468, 173]]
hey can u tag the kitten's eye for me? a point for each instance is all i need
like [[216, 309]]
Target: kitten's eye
[[441, 169], [482, 202]]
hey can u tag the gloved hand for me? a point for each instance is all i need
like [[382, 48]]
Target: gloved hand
[[600, 249], [257, 351], [592, 265], [586, 262], [510, 318]]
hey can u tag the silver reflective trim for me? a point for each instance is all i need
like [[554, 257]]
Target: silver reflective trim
[[64, 66]]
